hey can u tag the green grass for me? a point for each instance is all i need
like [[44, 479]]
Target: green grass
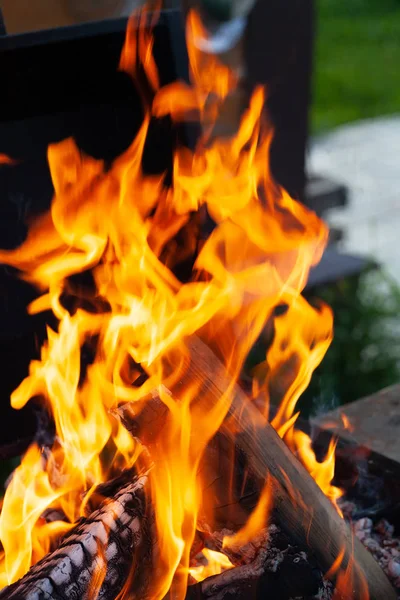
[[364, 356], [357, 70]]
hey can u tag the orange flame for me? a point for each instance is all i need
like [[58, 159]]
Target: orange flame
[[302, 337], [6, 160], [346, 422], [120, 225], [256, 522], [138, 46], [99, 572], [216, 564], [345, 580], [28, 495], [322, 472]]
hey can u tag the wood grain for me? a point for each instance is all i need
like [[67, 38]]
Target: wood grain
[[310, 518], [96, 558]]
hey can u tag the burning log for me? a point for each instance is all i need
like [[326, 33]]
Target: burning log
[[95, 228], [95, 559], [270, 567], [301, 507]]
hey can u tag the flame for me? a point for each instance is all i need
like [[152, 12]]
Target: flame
[[28, 495], [322, 472], [302, 336], [106, 259], [345, 423], [6, 160], [138, 47], [345, 579], [216, 563], [255, 523], [348, 426], [99, 572]]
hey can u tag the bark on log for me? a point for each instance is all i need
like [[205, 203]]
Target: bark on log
[[95, 559], [118, 531], [301, 507], [311, 518]]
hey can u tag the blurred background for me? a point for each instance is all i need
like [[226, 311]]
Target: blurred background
[[355, 141]]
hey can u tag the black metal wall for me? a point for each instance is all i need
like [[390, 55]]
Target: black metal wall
[[279, 47]]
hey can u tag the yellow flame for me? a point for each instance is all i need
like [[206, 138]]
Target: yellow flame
[[256, 522], [120, 226], [28, 495], [216, 563]]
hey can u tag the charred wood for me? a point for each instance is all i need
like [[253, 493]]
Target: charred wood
[[299, 504], [95, 559], [280, 570], [302, 508]]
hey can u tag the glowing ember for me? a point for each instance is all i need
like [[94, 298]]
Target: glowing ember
[[120, 225]]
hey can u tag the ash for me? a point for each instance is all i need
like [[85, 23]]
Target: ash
[[380, 539], [270, 566]]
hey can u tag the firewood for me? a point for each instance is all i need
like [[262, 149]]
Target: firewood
[[227, 502], [96, 558], [301, 507], [271, 567], [252, 581]]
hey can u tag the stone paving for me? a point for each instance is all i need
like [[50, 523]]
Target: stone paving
[[365, 156]]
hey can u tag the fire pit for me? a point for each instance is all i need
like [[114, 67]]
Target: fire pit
[[159, 476]]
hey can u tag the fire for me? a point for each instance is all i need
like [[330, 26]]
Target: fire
[[105, 259], [345, 579], [29, 494], [348, 426], [302, 337], [323, 472], [6, 160], [257, 520], [216, 564]]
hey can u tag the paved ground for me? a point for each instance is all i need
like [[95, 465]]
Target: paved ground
[[366, 157]]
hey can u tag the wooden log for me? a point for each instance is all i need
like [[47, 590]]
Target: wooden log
[[95, 559], [309, 516], [303, 510], [300, 505], [274, 569], [294, 574]]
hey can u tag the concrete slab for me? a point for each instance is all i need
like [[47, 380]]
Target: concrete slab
[[373, 422], [365, 156]]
